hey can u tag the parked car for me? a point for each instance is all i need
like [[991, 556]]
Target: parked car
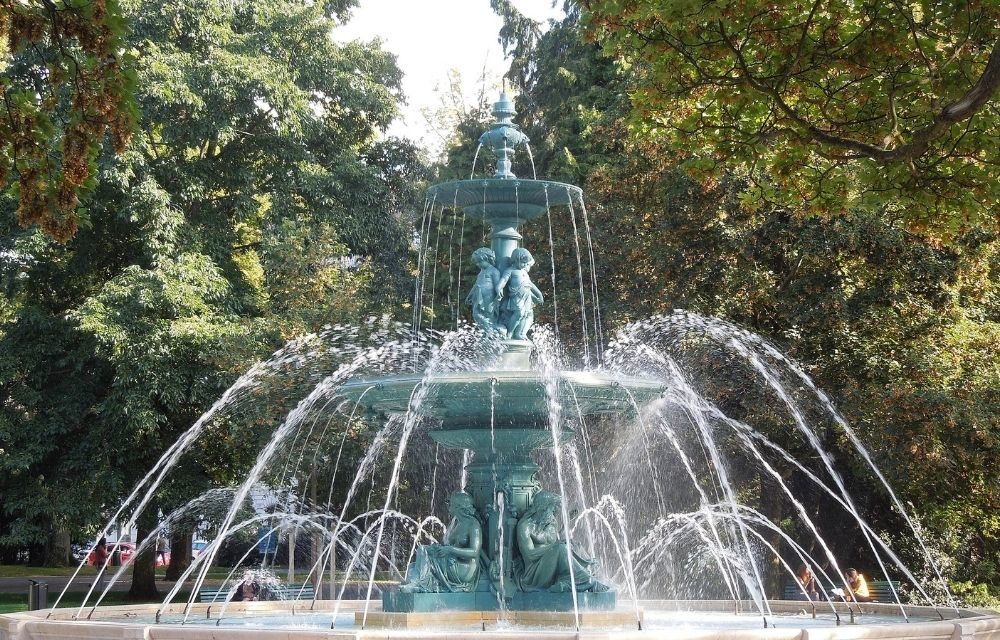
[[197, 547], [125, 549]]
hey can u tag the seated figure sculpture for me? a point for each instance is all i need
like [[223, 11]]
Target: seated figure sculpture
[[545, 561], [484, 297], [517, 310], [453, 566]]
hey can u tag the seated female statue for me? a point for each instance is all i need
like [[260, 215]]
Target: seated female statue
[[546, 563], [454, 565]]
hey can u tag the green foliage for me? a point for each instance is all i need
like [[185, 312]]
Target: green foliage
[[69, 84], [901, 331], [822, 107], [255, 204], [975, 595]]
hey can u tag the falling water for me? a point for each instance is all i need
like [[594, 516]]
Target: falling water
[[594, 296], [534, 175], [474, 158], [548, 357], [425, 222], [579, 271], [501, 528], [552, 259], [434, 262]]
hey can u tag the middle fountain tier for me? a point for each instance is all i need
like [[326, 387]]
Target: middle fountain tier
[[505, 547]]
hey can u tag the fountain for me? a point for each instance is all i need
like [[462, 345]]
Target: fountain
[[626, 462], [503, 414]]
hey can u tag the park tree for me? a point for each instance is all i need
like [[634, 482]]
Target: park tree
[[893, 326], [67, 83], [256, 202], [821, 107]]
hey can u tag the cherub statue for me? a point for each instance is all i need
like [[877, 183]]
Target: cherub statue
[[483, 297], [517, 311], [452, 566]]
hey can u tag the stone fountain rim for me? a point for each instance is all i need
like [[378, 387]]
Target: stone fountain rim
[[33, 625]]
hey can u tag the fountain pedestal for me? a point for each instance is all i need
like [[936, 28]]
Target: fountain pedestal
[[502, 416]]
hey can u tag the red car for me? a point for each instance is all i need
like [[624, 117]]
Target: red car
[[125, 550]]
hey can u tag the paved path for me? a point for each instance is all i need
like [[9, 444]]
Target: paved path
[[82, 583]]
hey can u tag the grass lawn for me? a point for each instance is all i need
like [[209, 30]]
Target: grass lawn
[[24, 571], [15, 602]]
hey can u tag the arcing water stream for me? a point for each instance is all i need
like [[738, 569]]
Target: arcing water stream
[[723, 496]]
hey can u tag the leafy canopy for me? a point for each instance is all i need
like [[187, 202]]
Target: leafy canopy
[[69, 84], [254, 203], [823, 106]]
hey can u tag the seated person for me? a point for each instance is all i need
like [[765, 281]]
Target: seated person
[[452, 566], [857, 587], [807, 584], [248, 591]]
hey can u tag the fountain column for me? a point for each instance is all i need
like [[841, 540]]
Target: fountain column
[[504, 239], [502, 412], [504, 137]]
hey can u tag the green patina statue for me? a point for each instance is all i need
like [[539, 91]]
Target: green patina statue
[[453, 566], [485, 294], [517, 311], [544, 557]]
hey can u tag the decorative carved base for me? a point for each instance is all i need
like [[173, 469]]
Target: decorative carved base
[[396, 601], [476, 620]]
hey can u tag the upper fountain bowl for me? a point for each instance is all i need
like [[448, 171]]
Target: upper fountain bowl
[[492, 198]]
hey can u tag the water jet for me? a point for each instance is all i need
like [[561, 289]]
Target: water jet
[[622, 442]]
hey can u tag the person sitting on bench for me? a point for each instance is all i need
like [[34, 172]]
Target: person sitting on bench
[[807, 582], [857, 587]]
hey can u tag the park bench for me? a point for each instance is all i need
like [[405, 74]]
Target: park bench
[[879, 590], [281, 592]]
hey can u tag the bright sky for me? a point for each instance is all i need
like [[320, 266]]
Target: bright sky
[[431, 37]]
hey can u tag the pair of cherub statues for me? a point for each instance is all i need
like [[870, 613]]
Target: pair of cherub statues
[[543, 562], [504, 302]]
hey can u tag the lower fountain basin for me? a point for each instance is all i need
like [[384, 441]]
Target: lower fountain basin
[[689, 620]]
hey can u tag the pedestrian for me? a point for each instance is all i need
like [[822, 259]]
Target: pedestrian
[[161, 551], [99, 555], [99, 559]]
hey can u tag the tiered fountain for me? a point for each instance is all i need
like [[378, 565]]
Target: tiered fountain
[[502, 415]]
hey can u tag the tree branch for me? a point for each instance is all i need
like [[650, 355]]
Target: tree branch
[[961, 109]]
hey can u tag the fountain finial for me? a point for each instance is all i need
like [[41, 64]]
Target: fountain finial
[[504, 136]]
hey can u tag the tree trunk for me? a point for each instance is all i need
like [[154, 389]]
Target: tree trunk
[[58, 548], [144, 565], [771, 505], [180, 553]]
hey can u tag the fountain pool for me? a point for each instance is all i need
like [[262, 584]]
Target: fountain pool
[[692, 620]]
